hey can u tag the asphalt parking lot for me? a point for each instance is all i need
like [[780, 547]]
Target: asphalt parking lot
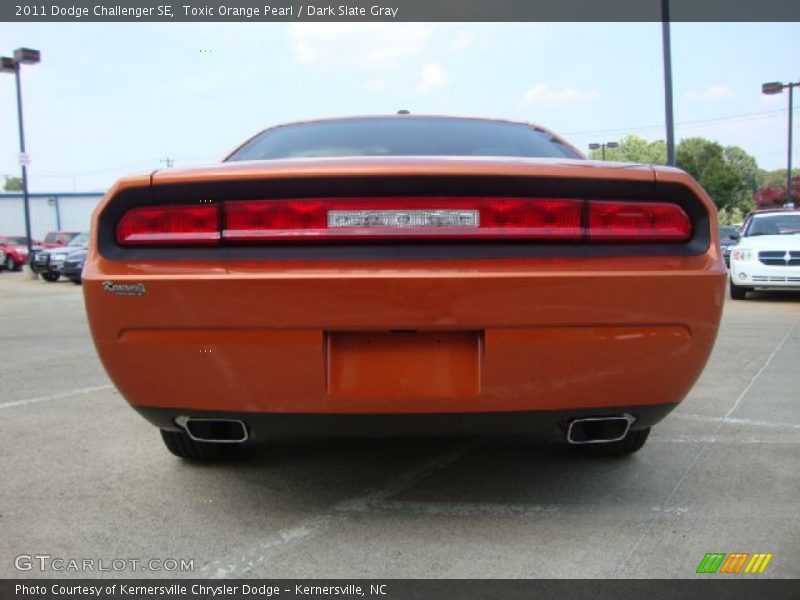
[[84, 477]]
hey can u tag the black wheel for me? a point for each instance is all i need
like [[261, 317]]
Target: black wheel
[[10, 264], [738, 292], [627, 445], [180, 444], [76, 281], [51, 277]]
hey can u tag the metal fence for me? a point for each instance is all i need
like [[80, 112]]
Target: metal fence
[[49, 212]]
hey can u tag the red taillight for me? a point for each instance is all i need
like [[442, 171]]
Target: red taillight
[[170, 224], [632, 221], [328, 219], [396, 218]]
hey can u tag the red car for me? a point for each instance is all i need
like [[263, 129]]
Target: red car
[[54, 239], [14, 249]]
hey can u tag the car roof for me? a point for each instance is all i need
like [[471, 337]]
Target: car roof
[[763, 211]]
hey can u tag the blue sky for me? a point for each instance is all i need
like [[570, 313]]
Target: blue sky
[[109, 99]]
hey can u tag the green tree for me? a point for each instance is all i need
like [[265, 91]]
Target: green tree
[[13, 184], [747, 170], [636, 149], [705, 161]]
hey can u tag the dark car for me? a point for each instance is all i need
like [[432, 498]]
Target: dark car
[[73, 266], [48, 263], [728, 238], [54, 239]]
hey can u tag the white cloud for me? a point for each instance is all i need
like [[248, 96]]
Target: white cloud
[[542, 94], [463, 40], [433, 75], [712, 92], [359, 45], [375, 86]]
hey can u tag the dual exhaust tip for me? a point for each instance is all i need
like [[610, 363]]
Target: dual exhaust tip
[[587, 430], [599, 430], [215, 431]]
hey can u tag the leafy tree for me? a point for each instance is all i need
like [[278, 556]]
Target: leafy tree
[[733, 216], [705, 161], [775, 178], [13, 184], [747, 170], [774, 196], [636, 149]]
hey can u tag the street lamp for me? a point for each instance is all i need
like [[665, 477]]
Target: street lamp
[[602, 147], [776, 87], [22, 56]]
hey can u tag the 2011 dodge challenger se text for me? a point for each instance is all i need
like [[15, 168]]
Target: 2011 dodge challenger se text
[[405, 275]]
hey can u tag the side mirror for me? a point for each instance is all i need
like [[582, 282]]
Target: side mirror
[[736, 236]]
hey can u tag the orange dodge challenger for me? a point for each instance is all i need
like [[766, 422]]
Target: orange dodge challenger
[[405, 274]]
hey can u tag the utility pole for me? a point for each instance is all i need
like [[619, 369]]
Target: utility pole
[[167, 161], [668, 82], [22, 56]]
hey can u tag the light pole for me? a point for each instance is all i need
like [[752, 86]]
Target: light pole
[[22, 56], [667, 51], [776, 87], [602, 147]]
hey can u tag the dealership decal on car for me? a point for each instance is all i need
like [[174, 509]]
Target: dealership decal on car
[[124, 289]]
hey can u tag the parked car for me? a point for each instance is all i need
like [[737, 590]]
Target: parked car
[[73, 266], [768, 255], [405, 274], [48, 263], [15, 251], [728, 238], [54, 239]]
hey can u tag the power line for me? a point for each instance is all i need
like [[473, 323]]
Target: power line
[[740, 117]]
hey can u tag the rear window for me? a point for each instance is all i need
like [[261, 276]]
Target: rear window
[[403, 136], [21, 241], [59, 237]]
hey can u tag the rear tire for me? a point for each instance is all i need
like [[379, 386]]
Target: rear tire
[[51, 277], [738, 292], [180, 444], [10, 264], [628, 445]]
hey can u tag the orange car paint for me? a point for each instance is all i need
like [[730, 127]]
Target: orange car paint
[[514, 334]]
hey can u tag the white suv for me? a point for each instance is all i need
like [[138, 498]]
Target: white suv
[[768, 255]]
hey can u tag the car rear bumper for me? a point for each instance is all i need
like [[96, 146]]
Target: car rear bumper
[[406, 342], [545, 425]]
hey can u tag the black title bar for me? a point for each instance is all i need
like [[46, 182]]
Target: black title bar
[[708, 588], [396, 10]]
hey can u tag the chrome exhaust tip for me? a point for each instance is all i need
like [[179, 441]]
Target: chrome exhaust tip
[[599, 430], [216, 431]]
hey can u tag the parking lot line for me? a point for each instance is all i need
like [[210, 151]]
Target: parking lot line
[[450, 509], [700, 454], [732, 421], [59, 396], [312, 526]]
